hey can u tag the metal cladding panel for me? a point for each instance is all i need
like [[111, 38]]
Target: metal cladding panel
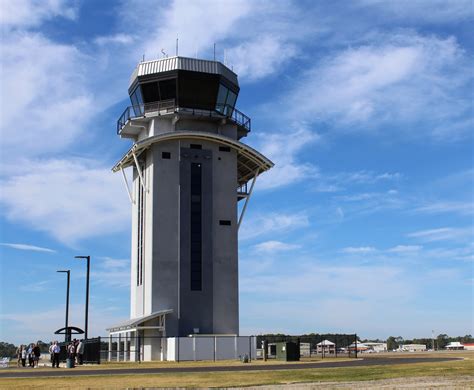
[[183, 63]]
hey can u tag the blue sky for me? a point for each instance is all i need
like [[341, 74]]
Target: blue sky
[[364, 225]]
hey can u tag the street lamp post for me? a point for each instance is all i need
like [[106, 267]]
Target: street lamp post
[[88, 258], [66, 331]]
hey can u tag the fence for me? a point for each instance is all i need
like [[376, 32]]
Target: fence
[[140, 348], [91, 354]]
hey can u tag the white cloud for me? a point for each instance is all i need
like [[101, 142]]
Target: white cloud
[[443, 234], [428, 11], [394, 79], [258, 37], [112, 272], [272, 223], [45, 104], [274, 246], [405, 248], [30, 13], [68, 199], [463, 208], [358, 249], [120, 39], [283, 150], [260, 57], [27, 247]]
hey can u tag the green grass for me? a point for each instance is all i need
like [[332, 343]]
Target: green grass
[[225, 379]]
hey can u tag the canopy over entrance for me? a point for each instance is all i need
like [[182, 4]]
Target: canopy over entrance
[[139, 323]]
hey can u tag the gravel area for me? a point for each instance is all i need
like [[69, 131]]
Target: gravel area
[[462, 382]]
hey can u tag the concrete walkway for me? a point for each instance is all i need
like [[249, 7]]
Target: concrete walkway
[[270, 367]]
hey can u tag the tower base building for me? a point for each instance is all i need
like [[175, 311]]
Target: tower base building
[[190, 170]]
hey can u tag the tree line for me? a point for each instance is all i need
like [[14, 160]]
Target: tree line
[[440, 341]]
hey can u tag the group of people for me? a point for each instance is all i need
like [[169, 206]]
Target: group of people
[[31, 353], [75, 351], [28, 353]]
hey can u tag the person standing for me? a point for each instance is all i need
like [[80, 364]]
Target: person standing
[[23, 355], [80, 352], [50, 350], [56, 349], [36, 355], [71, 352], [30, 355], [18, 355]]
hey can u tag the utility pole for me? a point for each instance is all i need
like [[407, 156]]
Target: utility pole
[[88, 258], [67, 335]]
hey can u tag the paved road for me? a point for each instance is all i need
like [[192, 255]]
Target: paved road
[[243, 367]]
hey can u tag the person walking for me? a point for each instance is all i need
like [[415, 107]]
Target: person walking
[[36, 355], [80, 352], [56, 349]]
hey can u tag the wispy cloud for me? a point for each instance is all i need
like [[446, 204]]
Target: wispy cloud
[[424, 11], [78, 202], [358, 249], [274, 246], [443, 234], [283, 150], [120, 39], [463, 208], [272, 223], [34, 287], [394, 79], [405, 248], [27, 247], [29, 13]]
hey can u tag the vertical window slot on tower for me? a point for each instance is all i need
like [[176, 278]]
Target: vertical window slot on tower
[[196, 227], [140, 228]]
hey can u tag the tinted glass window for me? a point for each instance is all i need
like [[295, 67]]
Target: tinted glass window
[[150, 92], [196, 227], [221, 98], [168, 89]]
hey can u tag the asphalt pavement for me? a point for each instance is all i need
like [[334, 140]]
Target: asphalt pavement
[[61, 372]]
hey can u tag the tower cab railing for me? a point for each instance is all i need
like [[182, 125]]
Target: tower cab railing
[[170, 106]]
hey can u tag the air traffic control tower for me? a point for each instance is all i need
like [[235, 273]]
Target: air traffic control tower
[[190, 170]]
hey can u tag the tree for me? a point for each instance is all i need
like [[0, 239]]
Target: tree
[[391, 343], [7, 349], [442, 340]]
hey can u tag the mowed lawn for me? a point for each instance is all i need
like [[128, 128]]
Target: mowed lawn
[[229, 379]]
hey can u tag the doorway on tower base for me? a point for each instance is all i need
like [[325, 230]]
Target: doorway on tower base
[[139, 339]]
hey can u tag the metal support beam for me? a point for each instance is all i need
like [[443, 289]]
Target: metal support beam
[[126, 185], [139, 172], [247, 198]]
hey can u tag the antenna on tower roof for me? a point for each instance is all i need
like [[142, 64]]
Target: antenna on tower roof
[[225, 57], [214, 51], [164, 54], [177, 45], [143, 57]]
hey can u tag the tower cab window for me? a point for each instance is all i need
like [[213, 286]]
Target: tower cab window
[[225, 100]]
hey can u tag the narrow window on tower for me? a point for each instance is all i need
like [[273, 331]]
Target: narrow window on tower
[[140, 228], [196, 227]]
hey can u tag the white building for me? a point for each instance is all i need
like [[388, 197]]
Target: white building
[[326, 346], [412, 347], [454, 345], [376, 347]]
